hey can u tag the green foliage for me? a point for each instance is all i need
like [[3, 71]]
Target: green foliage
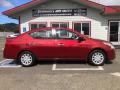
[[9, 27]]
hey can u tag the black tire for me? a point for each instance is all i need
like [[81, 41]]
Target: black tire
[[26, 63], [96, 61]]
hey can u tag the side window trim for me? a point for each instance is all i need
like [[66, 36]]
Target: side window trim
[[66, 38], [52, 37]]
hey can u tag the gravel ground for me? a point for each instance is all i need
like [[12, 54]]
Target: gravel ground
[[2, 43], [59, 82], [118, 55]]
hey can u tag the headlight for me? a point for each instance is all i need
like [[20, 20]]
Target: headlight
[[109, 44]]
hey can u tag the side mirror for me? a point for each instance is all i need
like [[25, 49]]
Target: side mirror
[[80, 39]]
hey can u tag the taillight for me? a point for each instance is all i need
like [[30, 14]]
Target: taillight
[[9, 39]]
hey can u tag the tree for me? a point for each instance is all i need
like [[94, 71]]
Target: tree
[[9, 27], [1, 28]]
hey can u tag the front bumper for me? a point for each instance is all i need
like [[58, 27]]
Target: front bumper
[[111, 54]]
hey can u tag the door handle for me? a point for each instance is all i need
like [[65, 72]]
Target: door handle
[[28, 44], [32, 44], [60, 44]]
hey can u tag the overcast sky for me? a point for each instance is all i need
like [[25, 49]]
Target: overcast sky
[[108, 2]]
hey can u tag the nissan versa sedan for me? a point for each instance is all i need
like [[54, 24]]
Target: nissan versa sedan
[[57, 44]]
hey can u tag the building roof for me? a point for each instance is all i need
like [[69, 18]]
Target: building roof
[[104, 9], [116, 7]]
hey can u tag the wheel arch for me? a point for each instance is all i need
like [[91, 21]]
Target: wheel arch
[[98, 49], [25, 51]]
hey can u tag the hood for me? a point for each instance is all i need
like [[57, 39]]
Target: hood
[[98, 40]]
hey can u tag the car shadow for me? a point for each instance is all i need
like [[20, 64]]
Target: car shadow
[[82, 62], [50, 62], [108, 62]]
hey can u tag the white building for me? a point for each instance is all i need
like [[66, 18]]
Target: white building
[[87, 17]]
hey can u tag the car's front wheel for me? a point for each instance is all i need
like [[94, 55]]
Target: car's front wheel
[[97, 58], [26, 59]]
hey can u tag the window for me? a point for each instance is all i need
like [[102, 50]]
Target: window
[[64, 25], [59, 24], [42, 25], [114, 31], [42, 34], [77, 27], [82, 27], [37, 25], [85, 28], [55, 25], [33, 26], [64, 34]]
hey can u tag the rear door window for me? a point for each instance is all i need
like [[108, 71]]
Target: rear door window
[[44, 34]]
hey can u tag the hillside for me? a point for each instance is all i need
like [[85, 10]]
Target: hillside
[[9, 27]]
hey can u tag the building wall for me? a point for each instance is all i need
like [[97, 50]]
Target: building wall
[[99, 23]]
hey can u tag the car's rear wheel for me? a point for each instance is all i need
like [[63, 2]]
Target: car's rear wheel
[[97, 58], [27, 59]]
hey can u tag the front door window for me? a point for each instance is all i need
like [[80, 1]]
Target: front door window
[[64, 34], [67, 45]]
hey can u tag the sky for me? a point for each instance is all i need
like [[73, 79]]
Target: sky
[[108, 2], [8, 4]]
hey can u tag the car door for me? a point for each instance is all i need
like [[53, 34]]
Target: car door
[[43, 44], [68, 45]]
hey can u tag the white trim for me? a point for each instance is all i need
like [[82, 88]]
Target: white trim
[[4, 61], [116, 74], [8, 66], [54, 68]]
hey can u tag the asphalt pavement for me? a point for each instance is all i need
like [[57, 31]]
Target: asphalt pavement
[[61, 76]]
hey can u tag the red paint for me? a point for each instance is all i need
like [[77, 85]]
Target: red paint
[[110, 10], [50, 48], [116, 7], [103, 8]]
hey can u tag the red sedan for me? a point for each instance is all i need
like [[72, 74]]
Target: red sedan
[[57, 43]]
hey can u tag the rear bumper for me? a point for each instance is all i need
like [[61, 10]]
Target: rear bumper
[[111, 54], [9, 54]]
